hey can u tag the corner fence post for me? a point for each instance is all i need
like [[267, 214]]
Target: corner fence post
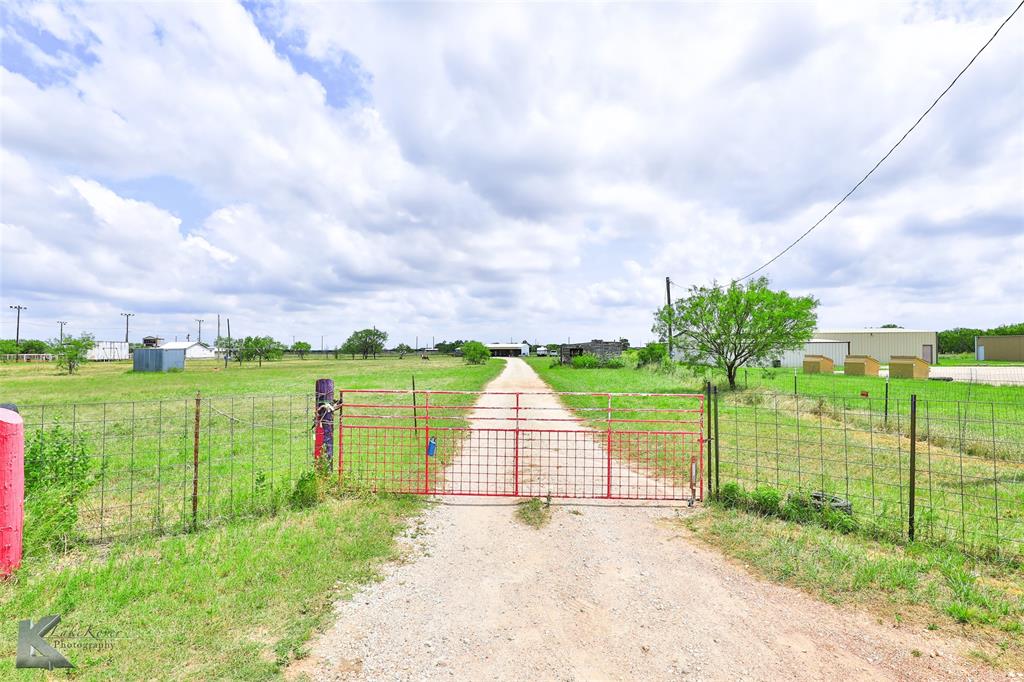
[[12, 489], [709, 439], [325, 421], [195, 460], [913, 464], [341, 436]]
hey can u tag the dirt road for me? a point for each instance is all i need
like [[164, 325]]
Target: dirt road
[[605, 591]]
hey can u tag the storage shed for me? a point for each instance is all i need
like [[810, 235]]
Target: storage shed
[[602, 349], [194, 350], [883, 344], [1009, 347], [907, 367], [861, 366], [158, 359], [818, 364]]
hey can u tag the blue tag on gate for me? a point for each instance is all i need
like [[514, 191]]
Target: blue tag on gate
[[431, 446]]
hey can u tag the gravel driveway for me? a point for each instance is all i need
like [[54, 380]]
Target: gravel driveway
[[605, 591]]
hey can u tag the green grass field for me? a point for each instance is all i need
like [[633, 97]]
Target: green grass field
[[968, 359], [970, 456]]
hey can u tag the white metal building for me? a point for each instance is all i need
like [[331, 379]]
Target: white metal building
[[109, 350], [836, 351], [194, 350], [882, 344], [505, 350]]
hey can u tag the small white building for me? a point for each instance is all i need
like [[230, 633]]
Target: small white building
[[194, 350], [106, 351]]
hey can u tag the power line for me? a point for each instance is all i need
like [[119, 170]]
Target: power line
[[888, 153]]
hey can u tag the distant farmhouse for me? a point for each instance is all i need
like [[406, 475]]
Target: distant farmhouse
[[194, 350]]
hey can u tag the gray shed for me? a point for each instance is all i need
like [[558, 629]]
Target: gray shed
[[158, 359]]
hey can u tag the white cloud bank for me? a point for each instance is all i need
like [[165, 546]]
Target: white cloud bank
[[505, 171]]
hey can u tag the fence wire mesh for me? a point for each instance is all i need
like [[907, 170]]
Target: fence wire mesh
[[968, 464]]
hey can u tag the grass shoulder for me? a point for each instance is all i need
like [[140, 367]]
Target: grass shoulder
[[913, 586], [238, 601]]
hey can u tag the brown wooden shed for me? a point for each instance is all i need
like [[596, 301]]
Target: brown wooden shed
[[818, 364], [860, 366], [907, 367]]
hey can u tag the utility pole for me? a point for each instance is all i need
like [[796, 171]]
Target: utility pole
[[200, 330], [668, 302], [17, 326], [218, 325], [229, 329], [61, 323], [321, 343], [126, 316]]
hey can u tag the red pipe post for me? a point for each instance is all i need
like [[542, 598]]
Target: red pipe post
[[12, 490]]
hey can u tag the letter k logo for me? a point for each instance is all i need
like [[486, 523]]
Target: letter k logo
[[33, 650]]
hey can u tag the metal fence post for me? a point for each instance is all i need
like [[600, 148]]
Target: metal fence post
[[195, 461], [887, 401], [715, 394], [913, 464], [710, 434]]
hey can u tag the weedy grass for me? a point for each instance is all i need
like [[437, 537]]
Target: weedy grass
[[534, 512], [233, 602], [917, 585]]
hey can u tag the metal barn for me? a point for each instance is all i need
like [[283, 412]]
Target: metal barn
[[1009, 347], [836, 351], [883, 344], [194, 350]]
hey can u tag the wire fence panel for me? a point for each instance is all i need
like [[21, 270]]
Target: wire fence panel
[[154, 467], [968, 472]]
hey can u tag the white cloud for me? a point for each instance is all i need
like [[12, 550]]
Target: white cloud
[[516, 170]]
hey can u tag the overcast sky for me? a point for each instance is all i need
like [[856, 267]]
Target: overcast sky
[[496, 172]]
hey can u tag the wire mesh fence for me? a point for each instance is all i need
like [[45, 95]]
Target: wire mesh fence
[[952, 468], [163, 466]]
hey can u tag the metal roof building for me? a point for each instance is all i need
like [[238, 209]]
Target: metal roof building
[[507, 350], [194, 350], [882, 344]]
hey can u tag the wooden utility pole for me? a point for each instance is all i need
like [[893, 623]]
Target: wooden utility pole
[[200, 330], [126, 316], [61, 323], [668, 302], [218, 325], [17, 325]]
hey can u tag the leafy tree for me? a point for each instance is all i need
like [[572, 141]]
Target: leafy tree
[[231, 348], [72, 351], [475, 352], [890, 326], [260, 348], [959, 340], [554, 348], [366, 342], [8, 347], [737, 324], [32, 346], [301, 347], [402, 349]]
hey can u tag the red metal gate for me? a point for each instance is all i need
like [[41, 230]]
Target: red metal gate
[[523, 444]]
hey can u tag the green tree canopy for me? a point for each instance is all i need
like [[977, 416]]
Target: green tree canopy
[[403, 349], [365, 342], [729, 326], [73, 351], [260, 348], [475, 352], [301, 347]]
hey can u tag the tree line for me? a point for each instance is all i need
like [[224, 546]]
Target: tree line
[[961, 339]]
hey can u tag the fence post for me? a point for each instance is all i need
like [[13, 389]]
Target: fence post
[[325, 420], [715, 394], [609, 448], [710, 437], [12, 488], [195, 461], [913, 463], [794, 382], [887, 401], [426, 438]]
